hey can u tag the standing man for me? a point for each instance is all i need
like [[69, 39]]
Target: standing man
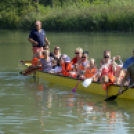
[[38, 38]]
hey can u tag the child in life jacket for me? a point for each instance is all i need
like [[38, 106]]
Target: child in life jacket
[[74, 72], [36, 58], [91, 71], [108, 74], [84, 63], [106, 81], [34, 62], [58, 67], [66, 65]]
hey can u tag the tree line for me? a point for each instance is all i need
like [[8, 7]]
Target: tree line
[[22, 7], [52, 3]]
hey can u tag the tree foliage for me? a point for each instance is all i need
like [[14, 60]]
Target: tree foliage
[[65, 15], [62, 3]]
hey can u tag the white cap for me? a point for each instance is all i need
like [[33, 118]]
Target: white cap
[[64, 56], [67, 59]]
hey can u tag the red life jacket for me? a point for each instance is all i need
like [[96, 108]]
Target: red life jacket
[[107, 71]]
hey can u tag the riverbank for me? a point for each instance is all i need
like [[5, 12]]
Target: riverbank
[[116, 16]]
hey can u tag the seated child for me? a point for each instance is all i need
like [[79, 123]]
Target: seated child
[[106, 81], [58, 67], [47, 62], [66, 65], [74, 72], [91, 71], [83, 64], [33, 67]]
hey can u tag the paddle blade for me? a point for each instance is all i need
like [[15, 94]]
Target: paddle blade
[[74, 89], [87, 82], [112, 98]]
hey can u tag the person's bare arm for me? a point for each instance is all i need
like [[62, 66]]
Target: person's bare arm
[[121, 63], [114, 67], [123, 81], [33, 41], [114, 64], [119, 58], [78, 70], [46, 40], [95, 79], [122, 71]]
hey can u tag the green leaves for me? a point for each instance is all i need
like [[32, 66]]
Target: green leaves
[[68, 15]]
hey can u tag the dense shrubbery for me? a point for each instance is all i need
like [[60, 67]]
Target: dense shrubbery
[[98, 16]]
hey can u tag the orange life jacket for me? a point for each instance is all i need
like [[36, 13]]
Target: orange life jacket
[[90, 72], [42, 56], [35, 61], [65, 70], [81, 68], [111, 78]]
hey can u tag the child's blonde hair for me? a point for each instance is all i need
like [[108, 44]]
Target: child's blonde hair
[[79, 49], [92, 60], [46, 52]]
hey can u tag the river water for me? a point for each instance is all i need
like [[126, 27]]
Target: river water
[[29, 107]]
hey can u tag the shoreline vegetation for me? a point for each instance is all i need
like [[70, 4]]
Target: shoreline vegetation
[[69, 15]]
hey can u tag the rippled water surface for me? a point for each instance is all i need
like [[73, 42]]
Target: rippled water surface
[[31, 107]]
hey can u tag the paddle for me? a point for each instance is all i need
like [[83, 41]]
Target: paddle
[[87, 82], [113, 97], [74, 89], [30, 71]]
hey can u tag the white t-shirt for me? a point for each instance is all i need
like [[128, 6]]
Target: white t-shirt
[[57, 69]]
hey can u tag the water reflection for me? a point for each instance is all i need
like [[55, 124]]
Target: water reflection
[[31, 107], [61, 111]]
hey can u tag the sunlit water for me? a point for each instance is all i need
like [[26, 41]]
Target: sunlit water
[[31, 107]]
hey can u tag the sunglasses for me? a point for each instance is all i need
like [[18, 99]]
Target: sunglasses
[[106, 57], [84, 57], [77, 53]]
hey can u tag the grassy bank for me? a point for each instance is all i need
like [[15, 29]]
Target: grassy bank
[[116, 15]]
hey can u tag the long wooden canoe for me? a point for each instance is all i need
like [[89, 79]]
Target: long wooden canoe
[[95, 88]]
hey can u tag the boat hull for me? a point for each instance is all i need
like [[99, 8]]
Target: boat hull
[[95, 88]]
